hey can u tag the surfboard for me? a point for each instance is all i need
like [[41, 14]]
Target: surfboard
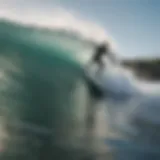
[[94, 86], [109, 83]]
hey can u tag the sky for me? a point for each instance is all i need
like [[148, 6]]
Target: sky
[[133, 24]]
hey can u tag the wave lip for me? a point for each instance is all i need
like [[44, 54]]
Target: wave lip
[[57, 18]]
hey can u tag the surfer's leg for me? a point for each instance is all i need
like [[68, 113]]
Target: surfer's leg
[[100, 69]]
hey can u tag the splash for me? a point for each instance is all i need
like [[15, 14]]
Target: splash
[[57, 18], [80, 34]]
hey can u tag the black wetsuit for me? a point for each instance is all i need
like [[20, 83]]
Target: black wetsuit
[[100, 51], [97, 59]]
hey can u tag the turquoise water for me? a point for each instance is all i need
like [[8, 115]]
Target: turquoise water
[[39, 80]]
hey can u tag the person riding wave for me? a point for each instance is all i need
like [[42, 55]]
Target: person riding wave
[[101, 51]]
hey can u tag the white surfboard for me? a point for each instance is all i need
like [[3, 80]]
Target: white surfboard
[[111, 81]]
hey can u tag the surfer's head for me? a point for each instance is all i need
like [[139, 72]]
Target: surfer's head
[[102, 48], [106, 45]]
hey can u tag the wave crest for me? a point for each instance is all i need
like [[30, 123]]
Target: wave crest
[[59, 19]]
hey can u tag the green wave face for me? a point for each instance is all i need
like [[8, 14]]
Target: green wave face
[[40, 88]]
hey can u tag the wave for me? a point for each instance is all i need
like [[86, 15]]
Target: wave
[[41, 84], [41, 72], [57, 19], [39, 79]]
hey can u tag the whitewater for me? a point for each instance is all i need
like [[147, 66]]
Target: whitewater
[[42, 61]]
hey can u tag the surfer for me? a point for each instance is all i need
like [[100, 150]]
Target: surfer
[[96, 93], [99, 53]]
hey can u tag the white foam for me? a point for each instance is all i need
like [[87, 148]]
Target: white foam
[[55, 18]]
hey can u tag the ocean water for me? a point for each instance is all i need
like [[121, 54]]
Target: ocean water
[[44, 100], [39, 82]]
